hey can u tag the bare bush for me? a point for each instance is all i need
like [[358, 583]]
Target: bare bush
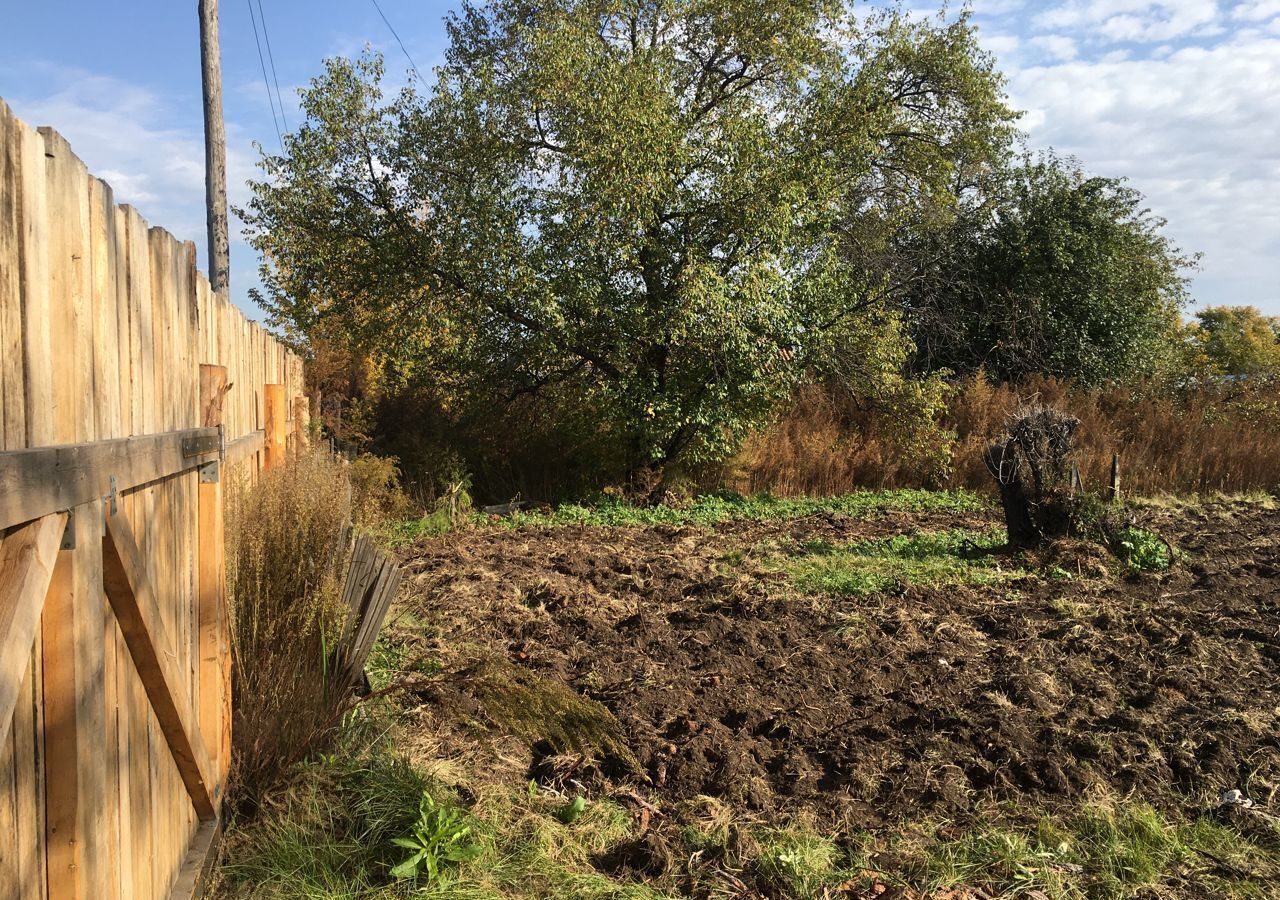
[[1032, 463]]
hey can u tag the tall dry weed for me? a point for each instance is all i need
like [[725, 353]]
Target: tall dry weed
[[1216, 437], [287, 536]]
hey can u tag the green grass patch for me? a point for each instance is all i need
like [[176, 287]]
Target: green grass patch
[[1098, 853], [361, 823], [724, 506], [868, 567], [727, 506]]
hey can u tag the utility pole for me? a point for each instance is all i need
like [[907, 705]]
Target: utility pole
[[215, 150]]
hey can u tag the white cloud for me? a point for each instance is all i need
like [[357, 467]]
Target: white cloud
[[1057, 46], [1142, 21], [1002, 45], [1198, 131], [1256, 10]]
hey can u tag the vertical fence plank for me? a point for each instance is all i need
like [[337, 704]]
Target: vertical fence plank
[[73, 624], [12, 379], [74, 716]]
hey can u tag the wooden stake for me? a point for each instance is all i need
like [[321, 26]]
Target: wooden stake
[[211, 590], [1115, 477], [277, 424], [215, 150]]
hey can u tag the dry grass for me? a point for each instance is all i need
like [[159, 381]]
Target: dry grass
[[1221, 438], [286, 548]]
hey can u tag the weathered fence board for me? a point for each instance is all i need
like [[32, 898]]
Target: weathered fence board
[[110, 343]]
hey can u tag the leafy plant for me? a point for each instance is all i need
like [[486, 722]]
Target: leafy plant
[[1144, 551], [571, 811], [440, 838]]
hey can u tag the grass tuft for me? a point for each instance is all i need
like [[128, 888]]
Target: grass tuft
[[868, 567]]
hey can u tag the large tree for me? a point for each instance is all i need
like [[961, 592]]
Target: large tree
[[662, 209], [1055, 272]]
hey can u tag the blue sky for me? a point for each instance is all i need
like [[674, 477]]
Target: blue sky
[[1182, 96]]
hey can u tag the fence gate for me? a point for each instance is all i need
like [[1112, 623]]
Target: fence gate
[[129, 392]]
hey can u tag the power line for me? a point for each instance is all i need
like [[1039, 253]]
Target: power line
[[412, 64], [265, 82], [266, 36]]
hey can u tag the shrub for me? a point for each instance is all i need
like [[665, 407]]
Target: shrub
[[1032, 465], [376, 494]]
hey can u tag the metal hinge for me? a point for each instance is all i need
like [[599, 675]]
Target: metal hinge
[[209, 472], [69, 532], [109, 501]]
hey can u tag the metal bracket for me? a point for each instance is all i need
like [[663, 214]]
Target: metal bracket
[[198, 446], [112, 494], [69, 532], [209, 472]]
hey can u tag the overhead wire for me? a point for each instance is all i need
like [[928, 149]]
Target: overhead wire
[[266, 83], [403, 49], [271, 57]]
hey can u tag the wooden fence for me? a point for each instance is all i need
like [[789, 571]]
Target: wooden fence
[[128, 390]]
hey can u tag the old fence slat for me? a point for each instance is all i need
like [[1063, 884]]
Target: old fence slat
[[372, 581]]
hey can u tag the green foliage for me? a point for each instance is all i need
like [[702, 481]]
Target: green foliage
[[869, 567], [453, 509], [1097, 852], [1057, 273], [1235, 340], [657, 217], [329, 830], [727, 506], [1142, 550], [798, 861], [439, 840]]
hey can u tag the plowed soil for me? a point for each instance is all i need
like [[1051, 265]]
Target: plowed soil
[[864, 712]]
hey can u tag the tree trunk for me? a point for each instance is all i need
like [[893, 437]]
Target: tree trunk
[[1002, 462]]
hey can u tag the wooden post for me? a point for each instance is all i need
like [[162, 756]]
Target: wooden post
[[215, 150], [72, 630], [214, 652], [277, 415], [1115, 477]]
